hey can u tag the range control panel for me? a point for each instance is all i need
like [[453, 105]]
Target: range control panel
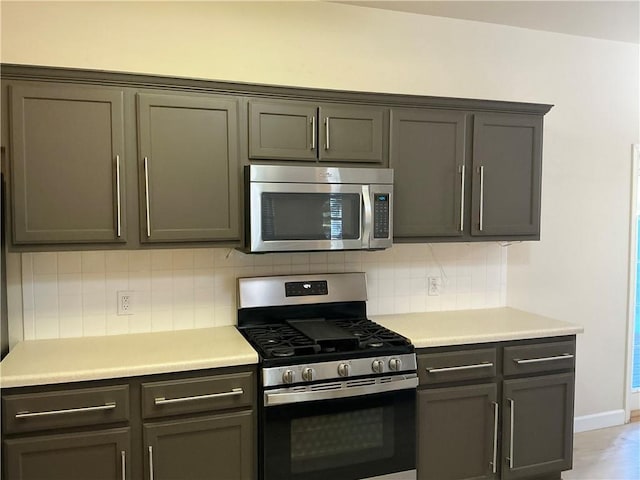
[[301, 289], [381, 215]]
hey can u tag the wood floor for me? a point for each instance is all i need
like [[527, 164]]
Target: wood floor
[[606, 454]]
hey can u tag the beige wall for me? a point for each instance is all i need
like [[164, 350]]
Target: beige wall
[[577, 272]]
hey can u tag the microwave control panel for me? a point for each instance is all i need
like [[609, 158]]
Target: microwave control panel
[[381, 215]]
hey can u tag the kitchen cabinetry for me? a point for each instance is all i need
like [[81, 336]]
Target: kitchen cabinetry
[[67, 172], [507, 408], [284, 130], [188, 167], [188, 425], [466, 175]]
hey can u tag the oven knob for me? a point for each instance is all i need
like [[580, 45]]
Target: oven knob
[[343, 369], [377, 366], [288, 376], [307, 374], [395, 364]]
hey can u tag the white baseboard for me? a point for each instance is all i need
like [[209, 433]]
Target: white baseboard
[[598, 420]]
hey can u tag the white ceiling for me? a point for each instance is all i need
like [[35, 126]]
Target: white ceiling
[[609, 20]]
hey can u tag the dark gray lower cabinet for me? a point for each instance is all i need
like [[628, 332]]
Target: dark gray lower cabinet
[[465, 433], [101, 455], [456, 432], [212, 447], [537, 425]]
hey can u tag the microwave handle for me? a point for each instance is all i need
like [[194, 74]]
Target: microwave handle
[[367, 218]]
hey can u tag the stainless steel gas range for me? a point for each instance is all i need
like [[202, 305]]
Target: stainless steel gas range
[[337, 391]]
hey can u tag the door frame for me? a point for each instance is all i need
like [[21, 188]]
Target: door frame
[[632, 396]]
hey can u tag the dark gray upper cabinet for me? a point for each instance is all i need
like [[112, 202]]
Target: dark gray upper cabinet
[[189, 167], [428, 157], [289, 130], [507, 169], [67, 164]]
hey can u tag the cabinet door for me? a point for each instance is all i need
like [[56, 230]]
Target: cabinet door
[[189, 168], [75, 456], [67, 147], [283, 131], [428, 158], [353, 134], [457, 433], [537, 425], [507, 164], [213, 447]]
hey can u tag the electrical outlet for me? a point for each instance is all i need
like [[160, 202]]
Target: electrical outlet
[[435, 285], [125, 302]]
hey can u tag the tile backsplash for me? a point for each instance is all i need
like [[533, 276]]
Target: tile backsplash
[[74, 294]]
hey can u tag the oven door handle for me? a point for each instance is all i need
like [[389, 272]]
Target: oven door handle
[[340, 391]]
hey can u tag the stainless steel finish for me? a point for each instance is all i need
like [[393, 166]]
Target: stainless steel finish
[[377, 366], [328, 371], [344, 369], [344, 389], [326, 130], [313, 133], [270, 291], [367, 216], [118, 206], [564, 356], [166, 401], [406, 475], [97, 408], [123, 464], [150, 462], [512, 414], [307, 374], [494, 462], [462, 169], [459, 368], [481, 170], [146, 195], [341, 175], [395, 364], [288, 376]]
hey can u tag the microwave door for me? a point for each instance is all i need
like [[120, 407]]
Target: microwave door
[[305, 217]]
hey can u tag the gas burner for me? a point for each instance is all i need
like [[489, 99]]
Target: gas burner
[[282, 352], [374, 343]]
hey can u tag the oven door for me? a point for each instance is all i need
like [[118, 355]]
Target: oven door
[[341, 438], [301, 217]]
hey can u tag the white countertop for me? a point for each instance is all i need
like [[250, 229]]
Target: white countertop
[[40, 362], [461, 327]]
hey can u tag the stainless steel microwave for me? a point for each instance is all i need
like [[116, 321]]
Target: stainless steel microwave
[[292, 209]]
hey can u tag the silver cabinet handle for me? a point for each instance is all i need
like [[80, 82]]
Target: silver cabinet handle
[[512, 414], [459, 368], [164, 401], [462, 169], [313, 132], [106, 406], [481, 171], [326, 132], [146, 194], [494, 466], [118, 208], [123, 458], [150, 462], [564, 356]]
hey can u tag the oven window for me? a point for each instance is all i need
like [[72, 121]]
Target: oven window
[[336, 440], [310, 216]]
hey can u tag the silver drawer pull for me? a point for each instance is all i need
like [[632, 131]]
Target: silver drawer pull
[[564, 356], [461, 367], [106, 406], [166, 401]]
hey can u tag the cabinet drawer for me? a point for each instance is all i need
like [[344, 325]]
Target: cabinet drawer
[[456, 366], [65, 408], [197, 394], [541, 357]]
